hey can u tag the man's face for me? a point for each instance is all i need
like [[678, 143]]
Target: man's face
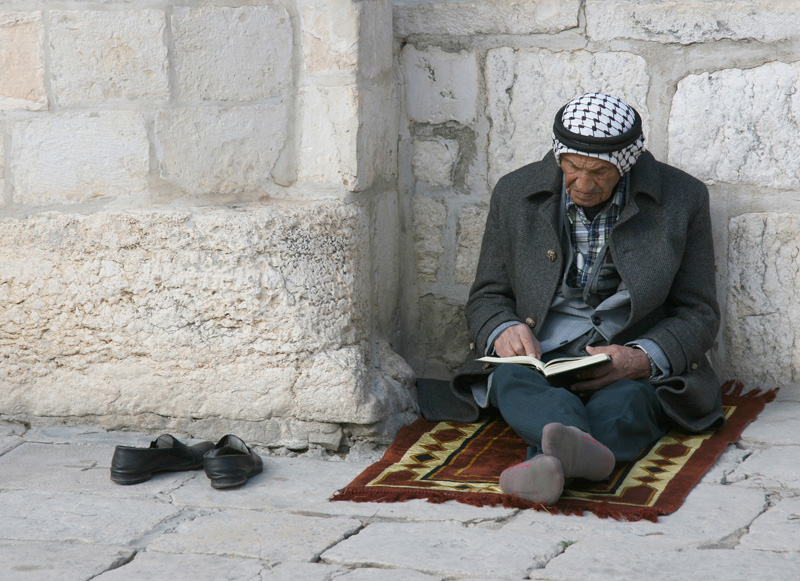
[[589, 181]]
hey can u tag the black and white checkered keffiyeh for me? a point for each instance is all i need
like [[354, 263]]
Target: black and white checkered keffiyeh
[[600, 126]]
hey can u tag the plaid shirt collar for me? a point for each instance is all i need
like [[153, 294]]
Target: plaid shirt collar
[[588, 238]]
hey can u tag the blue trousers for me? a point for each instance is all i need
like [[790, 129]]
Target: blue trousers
[[625, 416]]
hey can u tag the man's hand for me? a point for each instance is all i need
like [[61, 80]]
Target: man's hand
[[518, 340], [626, 363]]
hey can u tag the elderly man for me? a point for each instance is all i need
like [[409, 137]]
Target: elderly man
[[597, 248]]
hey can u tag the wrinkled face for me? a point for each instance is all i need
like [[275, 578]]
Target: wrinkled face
[[589, 181]]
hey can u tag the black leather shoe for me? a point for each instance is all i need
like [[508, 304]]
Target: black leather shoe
[[231, 463], [166, 454]]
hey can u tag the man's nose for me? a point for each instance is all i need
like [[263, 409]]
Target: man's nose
[[584, 183]]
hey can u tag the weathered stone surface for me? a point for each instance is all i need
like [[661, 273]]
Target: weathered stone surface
[[440, 86], [484, 17], [434, 161], [443, 549], [429, 222], [605, 557], [149, 565], [346, 36], [271, 537], [223, 54], [750, 130], [443, 330], [376, 141], [245, 314], [75, 157], [688, 21], [328, 153], [304, 485], [526, 87], [776, 425], [2, 171], [777, 529], [40, 561], [471, 224], [212, 150], [21, 62], [107, 57], [85, 518], [388, 575], [762, 312], [776, 469], [709, 514], [329, 35]]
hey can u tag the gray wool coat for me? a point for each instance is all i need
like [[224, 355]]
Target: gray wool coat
[[663, 251]]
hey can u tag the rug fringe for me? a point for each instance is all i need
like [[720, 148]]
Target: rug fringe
[[734, 388], [601, 509]]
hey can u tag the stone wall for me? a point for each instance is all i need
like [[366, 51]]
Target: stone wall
[[717, 86], [247, 215], [200, 218]]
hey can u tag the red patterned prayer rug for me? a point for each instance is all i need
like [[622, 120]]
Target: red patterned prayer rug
[[441, 461]]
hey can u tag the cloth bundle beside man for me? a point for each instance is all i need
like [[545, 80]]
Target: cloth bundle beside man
[[596, 248]]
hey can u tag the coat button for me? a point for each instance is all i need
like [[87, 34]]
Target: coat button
[[530, 322], [693, 366], [472, 346], [551, 255]]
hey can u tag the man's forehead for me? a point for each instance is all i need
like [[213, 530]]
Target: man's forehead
[[586, 162]]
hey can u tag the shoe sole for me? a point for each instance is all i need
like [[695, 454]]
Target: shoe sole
[[232, 480], [139, 477], [130, 479]]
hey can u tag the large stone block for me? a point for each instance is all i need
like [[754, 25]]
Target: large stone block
[[526, 87], [21, 62], [2, 169], [232, 54], [751, 125], [255, 318], [102, 57], [76, 156], [690, 21], [429, 223], [471, 224], [328, 153], [440, 86], [434, 161], [213, 150], [763, 317], [443, 331], [484, 17], [376, 142], [346, 36]]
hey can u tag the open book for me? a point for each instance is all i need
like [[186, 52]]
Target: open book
[[565, 368]]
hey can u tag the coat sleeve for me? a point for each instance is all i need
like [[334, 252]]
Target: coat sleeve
[[692, 318]]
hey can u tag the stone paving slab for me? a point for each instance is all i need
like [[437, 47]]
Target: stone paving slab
[[450, 550], [776, 468], [778, 529], [305, 485], [776, 425], [77, 468], [61, 517], [709, 515], [272, 537], [46, 561], [31, 515], [149, 565], [605, 557]]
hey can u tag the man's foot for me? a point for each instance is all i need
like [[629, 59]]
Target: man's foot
[[581, 456], [539, 479]]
